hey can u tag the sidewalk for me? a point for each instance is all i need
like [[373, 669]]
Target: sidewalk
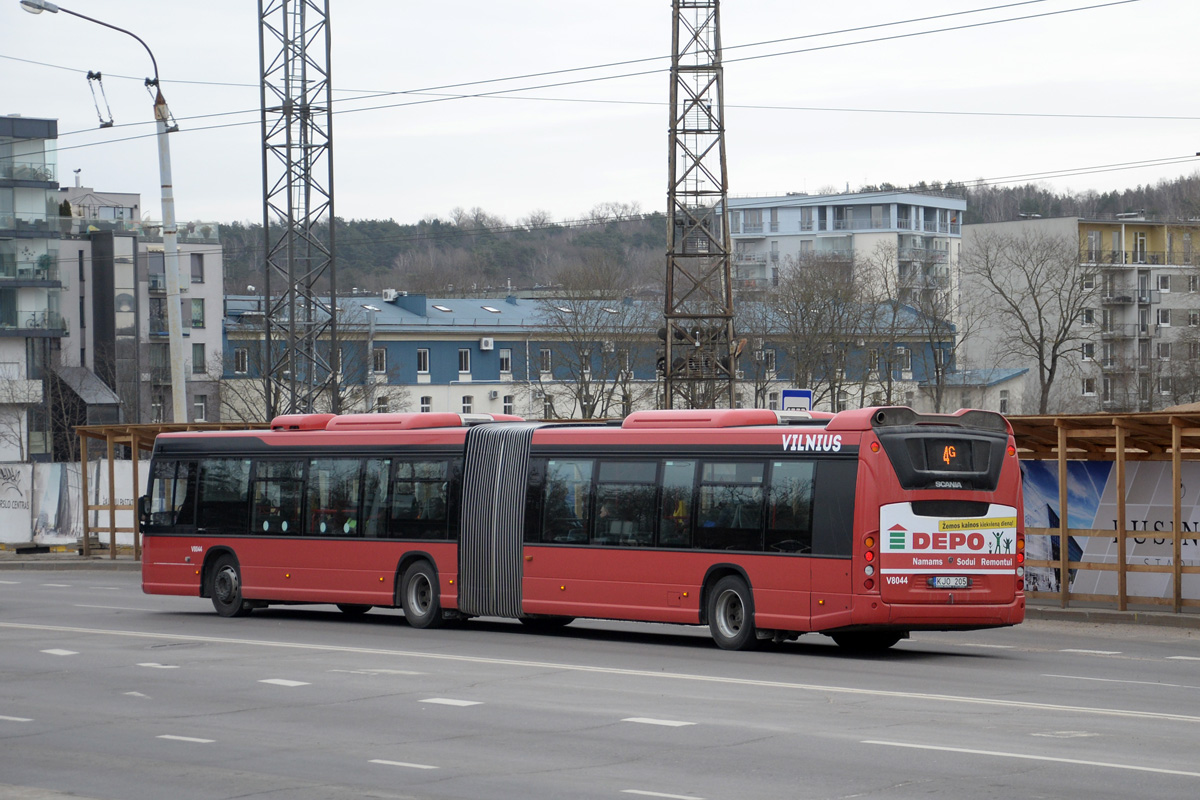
[[1035, 609]]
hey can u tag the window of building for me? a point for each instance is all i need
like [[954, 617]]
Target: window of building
[[773, 401], [422, 361], [1194, 351], [1194, 319], [1088, 282], [1089, 351], [507, 407], [903, 359], [1194, 283], [381, 405], [197, 267], [468, 403], [241, 361], [464, 360], [1089, 387], [197, 312], [1088, 318], [198, 365], [1164, 317], [157, 404], [1004, 401], [1164, 351], [426, 404], [379, 360], [1164, 283], [505, 360], [1164, 384], [546, 363], [200, 408], [768, 360]]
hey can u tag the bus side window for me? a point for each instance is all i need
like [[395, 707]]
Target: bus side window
[[675, 511], [278, 491], [375, 485], [223, 496], [533, 501], [729, 516], [789, 507], [625, 493], [420, 492], [333, 496], [568, 497], [833, 510]]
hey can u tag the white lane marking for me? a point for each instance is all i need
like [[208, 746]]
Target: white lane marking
[[1065, 735], [135, 694], [285, 682], [634, 673], [644, 793], [186, 739], [1121, 680], [1031, 757], [155, 665], [58, 585], [378, 671], [1093, 652], [990, 646], [10, 583], [1183, 658], [400, 764], [57, 652], [113, 608], [669, 723], [447, 701], [15, 719], [106, 588]]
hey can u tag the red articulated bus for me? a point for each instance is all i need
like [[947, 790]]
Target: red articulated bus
[[863, 525]]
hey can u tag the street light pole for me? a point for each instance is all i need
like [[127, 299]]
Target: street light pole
[[162, 116]]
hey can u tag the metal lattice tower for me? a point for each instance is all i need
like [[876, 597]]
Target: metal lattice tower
[[699, 367], [300, 327]]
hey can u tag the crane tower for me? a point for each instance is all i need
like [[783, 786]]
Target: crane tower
[[700, 355]]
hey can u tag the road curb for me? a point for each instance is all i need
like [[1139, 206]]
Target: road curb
[[1162, 619]]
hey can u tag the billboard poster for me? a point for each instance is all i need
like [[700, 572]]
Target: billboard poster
[[16, 485], [1092, 503]]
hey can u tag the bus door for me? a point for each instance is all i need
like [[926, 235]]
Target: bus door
[[833, 541]]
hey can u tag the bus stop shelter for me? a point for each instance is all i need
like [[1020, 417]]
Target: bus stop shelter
[[1168, 436]]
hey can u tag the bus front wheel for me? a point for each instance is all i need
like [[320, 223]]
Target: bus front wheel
[[226, 588], [731, 614], [419, 596]]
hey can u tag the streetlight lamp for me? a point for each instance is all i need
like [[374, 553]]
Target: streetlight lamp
[[162, 116], [370, 377]]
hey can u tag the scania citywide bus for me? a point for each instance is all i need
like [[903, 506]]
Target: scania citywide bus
[[863, 525]]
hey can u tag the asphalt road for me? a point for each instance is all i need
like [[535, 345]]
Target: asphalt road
[[109, 693]]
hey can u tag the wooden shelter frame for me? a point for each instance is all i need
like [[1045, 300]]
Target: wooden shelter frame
[[1119, 438], [137, 438]]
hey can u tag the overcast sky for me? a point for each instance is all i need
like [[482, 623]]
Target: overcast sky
[[563, 149]]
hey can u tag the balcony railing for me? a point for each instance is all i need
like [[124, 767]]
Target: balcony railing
[[42, 319], [1119, 330], [25, 221], [147, 231], [27, 171], [1121, 258]]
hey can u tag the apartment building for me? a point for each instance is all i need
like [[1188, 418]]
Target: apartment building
[[916, 235], [1135, 345], [83, 335]]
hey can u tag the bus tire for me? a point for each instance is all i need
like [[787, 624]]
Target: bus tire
[[731, 614], [353, 610], [225, 588], [419, 596], [866, 641]]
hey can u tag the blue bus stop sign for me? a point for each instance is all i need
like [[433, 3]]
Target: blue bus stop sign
[[797, 399]]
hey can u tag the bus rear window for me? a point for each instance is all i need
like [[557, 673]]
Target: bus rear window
[[925, 459]]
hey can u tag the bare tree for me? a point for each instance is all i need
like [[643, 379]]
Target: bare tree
[[1034, 288]]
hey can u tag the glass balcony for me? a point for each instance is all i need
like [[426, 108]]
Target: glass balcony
[[27, 171], [30, 222], [41, 319]]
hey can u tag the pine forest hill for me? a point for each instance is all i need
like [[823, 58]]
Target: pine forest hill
[[614, 246]]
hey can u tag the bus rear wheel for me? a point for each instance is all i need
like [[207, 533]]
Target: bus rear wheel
[[731, 614], [225, 588], [866, 642], [419, 596]]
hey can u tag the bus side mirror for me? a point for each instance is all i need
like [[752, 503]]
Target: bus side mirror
[[143, 507]]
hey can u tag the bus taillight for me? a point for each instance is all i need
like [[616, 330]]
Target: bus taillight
[[869, 556], [1020, 559]]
